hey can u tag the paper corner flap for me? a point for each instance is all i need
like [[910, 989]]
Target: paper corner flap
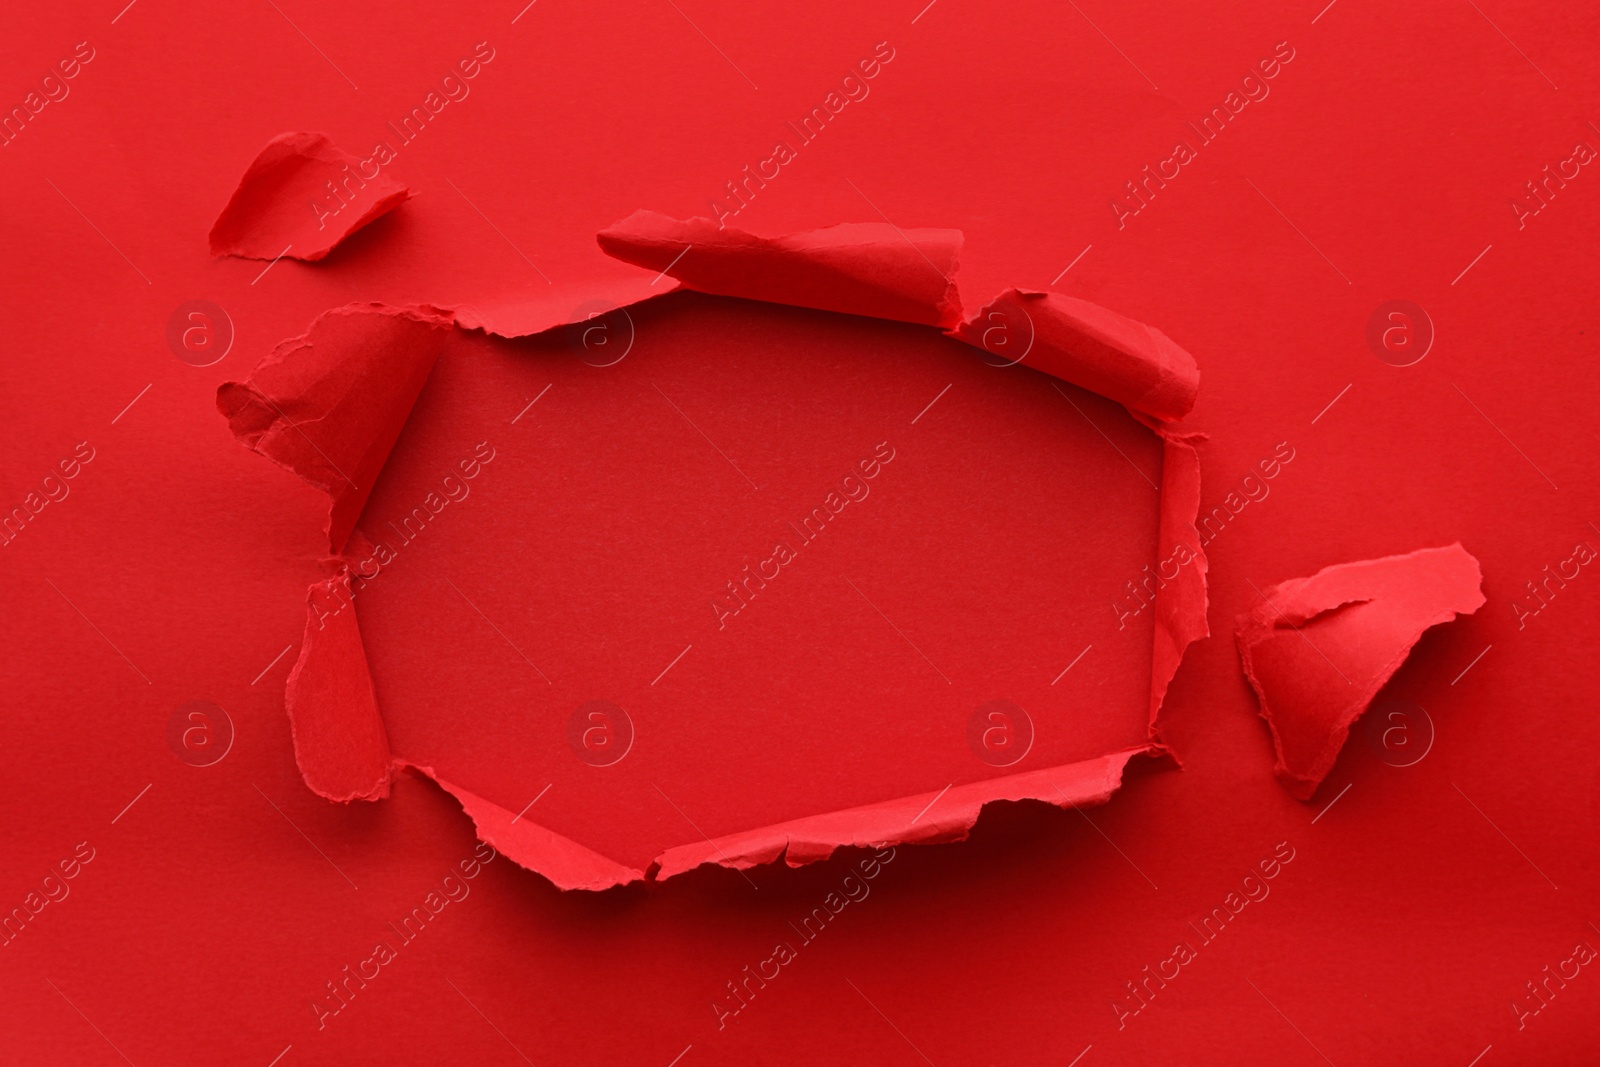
[[299, 198], [1368, 616], [1090, 346], [927, 818], [330, 404], [864, 268]]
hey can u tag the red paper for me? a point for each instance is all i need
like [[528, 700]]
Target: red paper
[[1134, 364], [1299, 196], [299, 198], [335, 400], [1318, 649], [866, 268], [355, 405]]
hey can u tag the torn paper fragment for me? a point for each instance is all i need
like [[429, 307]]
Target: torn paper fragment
[[329, 405], [871, 269], [1318, 649], [339, 738], [1088, 345], [928, 818], [299, 198]]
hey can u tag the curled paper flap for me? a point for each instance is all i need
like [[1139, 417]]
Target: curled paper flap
[[330, 404], [880, 271], [870, 269], [927, 818], [1088, 345], [1318, 649], [299, 198], [339, 740]]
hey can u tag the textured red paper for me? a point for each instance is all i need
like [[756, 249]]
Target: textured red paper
[[1130, 362], [1389, 159], [355, 405], [329, 370], [1318, 649], [857, 268], [299, 198]]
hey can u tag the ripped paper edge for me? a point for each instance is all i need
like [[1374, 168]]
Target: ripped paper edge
[[1180, 619]]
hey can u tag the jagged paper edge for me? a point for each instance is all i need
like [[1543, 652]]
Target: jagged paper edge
[[1180, 612], [926, 818]]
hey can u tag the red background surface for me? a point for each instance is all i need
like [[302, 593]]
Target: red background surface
[[1416, 907]]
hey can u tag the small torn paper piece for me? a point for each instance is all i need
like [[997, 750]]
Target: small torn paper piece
[[301, 197], [1318, 649]]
